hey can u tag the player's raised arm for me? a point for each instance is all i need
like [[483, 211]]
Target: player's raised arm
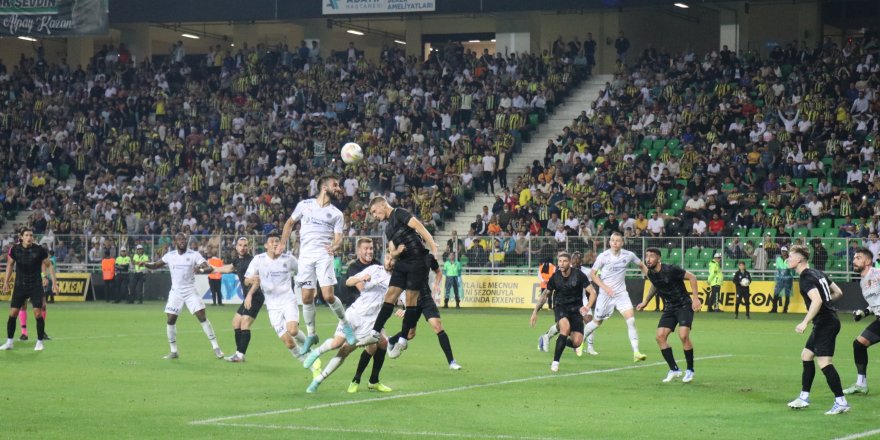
[[420, 229], [155, 264], [285, 233]]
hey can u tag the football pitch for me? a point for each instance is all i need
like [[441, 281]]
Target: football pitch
[[103, 376]]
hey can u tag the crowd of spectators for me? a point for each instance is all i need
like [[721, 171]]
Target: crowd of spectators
[[229, 142], [704, 146]]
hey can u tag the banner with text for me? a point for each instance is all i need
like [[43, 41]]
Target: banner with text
[[340, 7], [760, 298], [53, 18], [72, 287], [502, 291]]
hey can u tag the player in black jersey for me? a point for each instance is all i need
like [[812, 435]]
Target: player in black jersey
[[426, 307], [568, 287], [667, 281], [29, 261], [250, 308], [406, 234], [818, 293]]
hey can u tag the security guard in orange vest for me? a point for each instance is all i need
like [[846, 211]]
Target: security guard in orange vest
[[108, 273], [547, 269], [214, 280]]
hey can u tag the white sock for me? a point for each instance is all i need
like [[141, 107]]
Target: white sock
[[552, 331], [330, 368], [805, 395], [840, 400], [309, 316], [300, 338], [633, 334], [209, 331], [862, 380], [590, 328], [325, 347], [295, 353], [338, 309], [171, 331], [9, 341], [590, 340]]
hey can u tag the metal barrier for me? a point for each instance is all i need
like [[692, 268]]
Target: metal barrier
[[502, 254]]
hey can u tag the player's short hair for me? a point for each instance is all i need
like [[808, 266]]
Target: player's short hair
[[801, 250], [273, 234], [25, 229], [244, 239], [866, 252], [653, 250], [617, 233], [377, 200], [564, 255], [364, 240], [325, 178], [740, 262], [577, 254]]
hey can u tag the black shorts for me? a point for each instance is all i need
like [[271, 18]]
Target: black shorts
[[822, 338], [256, 305], [427, 307], [410, 274], [872, 332], [20, 295], [573, 314], [681, 317]]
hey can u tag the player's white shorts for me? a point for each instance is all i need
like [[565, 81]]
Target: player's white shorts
[[605, 304], [362, 325], [281, 314], [176, 300], [315, 266]]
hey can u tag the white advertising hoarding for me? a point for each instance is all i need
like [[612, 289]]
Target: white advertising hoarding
[[341, 7]]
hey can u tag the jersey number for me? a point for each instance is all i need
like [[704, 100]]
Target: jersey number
[[825, 289]]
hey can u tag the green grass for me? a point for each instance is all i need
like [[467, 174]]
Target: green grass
[[103, 376]]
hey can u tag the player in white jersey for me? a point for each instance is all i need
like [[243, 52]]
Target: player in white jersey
[[544, 342], [612, 289], [184, 263], [271, 273], [870, 284], [362, 316], [320, 236]]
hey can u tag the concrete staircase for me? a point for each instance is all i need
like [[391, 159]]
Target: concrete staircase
[[579, 100]]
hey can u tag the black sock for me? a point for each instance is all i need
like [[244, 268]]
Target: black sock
[[384, 313], [689, 358], [807, 376], [444, 344], [860, 353], [833, 380], [670, 359], [362, 365], [410, 319], [41, 329], [561, 343], [378, 361], [245, 341], [238, 340], [10, 327]]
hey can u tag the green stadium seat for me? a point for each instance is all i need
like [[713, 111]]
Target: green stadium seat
[[770, 231], [673, 144], [647, 143], [831, 232], [675, 255], [659, 144], [812, 181], [838, 222], [817, 232], [682, 182], [677, 205], [801, 232], [707, 255], [671, 212], [692, 254], [825, 223], [755, 232], [798, 182], [729, 264], [672, 194]]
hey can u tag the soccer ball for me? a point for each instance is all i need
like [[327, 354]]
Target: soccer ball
[[352, 153], [744, 282]]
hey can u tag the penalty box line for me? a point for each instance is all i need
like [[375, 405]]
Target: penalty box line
[[217, 420]]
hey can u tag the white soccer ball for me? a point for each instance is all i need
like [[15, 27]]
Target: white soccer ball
[[352, 153], [744, 282]]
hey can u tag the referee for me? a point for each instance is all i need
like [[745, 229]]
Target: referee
[[407, 241], [244, 317], [818, 293], [30, 261], [668, 282]]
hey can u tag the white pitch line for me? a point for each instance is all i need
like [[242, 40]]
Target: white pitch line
[[382, 431], [440, 391], [859, 435]]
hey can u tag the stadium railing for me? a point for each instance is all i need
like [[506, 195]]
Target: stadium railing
[[496, 254]]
